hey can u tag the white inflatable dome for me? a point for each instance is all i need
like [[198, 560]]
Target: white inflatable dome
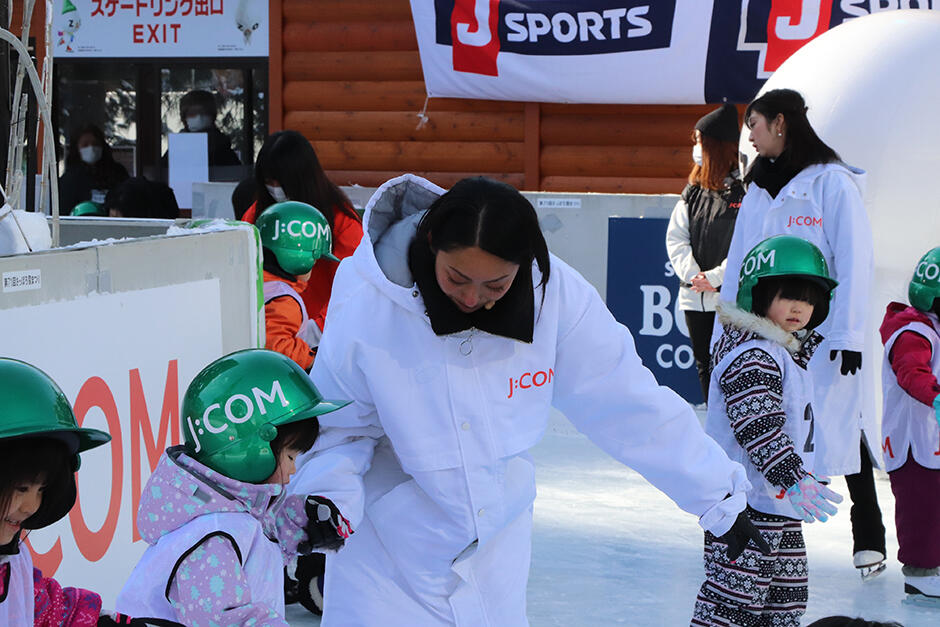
[[873, 92]]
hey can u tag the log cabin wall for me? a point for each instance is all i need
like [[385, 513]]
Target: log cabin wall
[[347, 74]]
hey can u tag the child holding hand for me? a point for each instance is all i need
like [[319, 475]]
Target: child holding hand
[[760, 412], [214, 512]]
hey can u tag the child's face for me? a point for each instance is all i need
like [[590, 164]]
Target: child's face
[[788, 314], [285, 466], [24, 502]]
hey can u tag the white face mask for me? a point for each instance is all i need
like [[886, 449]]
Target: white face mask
[[90, 154], [697, 154], [277, 193], [198, 123]]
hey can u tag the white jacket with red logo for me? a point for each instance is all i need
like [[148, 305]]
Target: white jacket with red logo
[[430, 461], [823, 204]]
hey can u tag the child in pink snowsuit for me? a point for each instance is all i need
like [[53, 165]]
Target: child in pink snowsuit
[[910, 430]]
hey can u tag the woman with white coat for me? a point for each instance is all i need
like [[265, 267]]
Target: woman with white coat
[[453, 331], [798, 185], [701, 225]]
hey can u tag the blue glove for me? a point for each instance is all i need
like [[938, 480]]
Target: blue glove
[[936, 407], [812, 500]]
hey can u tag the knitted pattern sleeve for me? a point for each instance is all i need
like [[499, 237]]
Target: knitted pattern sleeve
[[753, 389], [63, 607]]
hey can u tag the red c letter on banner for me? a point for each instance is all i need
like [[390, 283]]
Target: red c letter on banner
[[94, 544]]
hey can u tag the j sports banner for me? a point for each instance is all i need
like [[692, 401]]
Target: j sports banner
[[620, 51], [160, 28]]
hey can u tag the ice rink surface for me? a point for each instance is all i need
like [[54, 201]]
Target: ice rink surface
[[609, 549]]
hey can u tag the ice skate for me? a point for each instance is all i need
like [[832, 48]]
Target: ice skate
[[923, 591], [870, 564]]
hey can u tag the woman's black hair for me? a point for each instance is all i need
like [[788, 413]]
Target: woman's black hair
[[803, 146], [490, 215], [73, 157], [806, 289], [288, 158], [299, 435], [28, 459], [138, 197]]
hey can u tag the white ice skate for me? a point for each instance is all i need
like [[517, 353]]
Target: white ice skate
[[923, 591], [870, 564]]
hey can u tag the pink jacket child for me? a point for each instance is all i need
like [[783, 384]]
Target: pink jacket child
[[910, 429], [219, 524]]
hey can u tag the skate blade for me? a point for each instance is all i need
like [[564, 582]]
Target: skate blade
[[921, 600], [870, 572]]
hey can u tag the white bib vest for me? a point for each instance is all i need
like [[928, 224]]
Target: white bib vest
[[908, 424], [799, 425], [145, 593], [20, 603], [309, 332]]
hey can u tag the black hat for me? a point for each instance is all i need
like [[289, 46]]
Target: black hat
[[721, 124]]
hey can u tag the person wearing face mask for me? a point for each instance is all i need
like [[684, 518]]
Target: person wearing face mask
[[197, 113], [90, 170], [701, 225], [798, 185], [287, 168]]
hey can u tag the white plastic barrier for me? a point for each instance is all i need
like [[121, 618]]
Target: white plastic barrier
[[123, 327]]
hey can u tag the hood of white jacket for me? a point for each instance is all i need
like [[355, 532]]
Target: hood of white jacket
[[389, 224], [808, 176]]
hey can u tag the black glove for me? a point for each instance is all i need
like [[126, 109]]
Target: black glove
[[851, 361], [326, 528], [741, 532]]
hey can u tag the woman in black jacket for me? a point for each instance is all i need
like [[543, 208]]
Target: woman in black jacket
[[90, 170], [701, 225]]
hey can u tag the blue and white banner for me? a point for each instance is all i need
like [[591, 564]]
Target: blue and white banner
[[620, 51], [642, 294]]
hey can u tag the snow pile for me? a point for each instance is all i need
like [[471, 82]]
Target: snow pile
[[23, 231]]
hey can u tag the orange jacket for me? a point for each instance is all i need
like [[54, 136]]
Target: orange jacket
[[347, 231], [282, 320]]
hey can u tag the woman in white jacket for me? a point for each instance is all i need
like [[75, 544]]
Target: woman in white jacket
[[453, 331], [799, 186], [701, 225]]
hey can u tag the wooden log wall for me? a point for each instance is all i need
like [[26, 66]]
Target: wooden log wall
[[348, 76]]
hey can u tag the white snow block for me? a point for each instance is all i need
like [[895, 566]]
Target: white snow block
[[23, 231]]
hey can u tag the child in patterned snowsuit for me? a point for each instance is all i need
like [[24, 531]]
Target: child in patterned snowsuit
[[760, 412], [214, 512], [910, 429]]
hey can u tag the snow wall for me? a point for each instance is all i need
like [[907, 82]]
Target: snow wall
[[123, 327]]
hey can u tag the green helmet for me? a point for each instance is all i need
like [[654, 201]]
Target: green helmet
[[88, 208], [233, 407], [297, 233], [32, 405], [925, 284], [784, 256]]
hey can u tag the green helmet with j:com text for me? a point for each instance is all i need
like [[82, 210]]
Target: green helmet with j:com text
[[233, 407], [298, 235], [924, 289], [784, 256]]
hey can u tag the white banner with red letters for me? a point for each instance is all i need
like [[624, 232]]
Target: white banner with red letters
[[160, 28], [620, 51]]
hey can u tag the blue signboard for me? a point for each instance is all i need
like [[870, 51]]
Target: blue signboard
[[642, 293]]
